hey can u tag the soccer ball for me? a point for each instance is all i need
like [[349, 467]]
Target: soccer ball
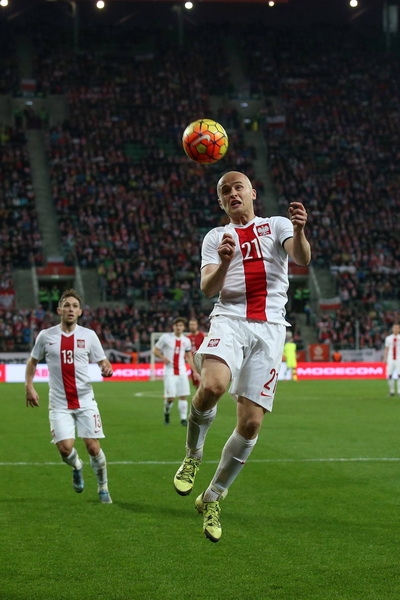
[[205, 141]]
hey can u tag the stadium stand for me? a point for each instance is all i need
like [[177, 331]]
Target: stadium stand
[[121, 183]]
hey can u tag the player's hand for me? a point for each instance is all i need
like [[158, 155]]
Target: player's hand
[[226, 249], [32, 398], [106, 371], [298, 215]]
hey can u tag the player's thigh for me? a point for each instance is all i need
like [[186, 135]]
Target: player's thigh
[[258, 377], [182, 386], [397, 368], [170, 385], [390, 368], [225, 341], [62, 425], [88, 422]]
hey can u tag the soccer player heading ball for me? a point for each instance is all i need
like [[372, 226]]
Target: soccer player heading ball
[[246, 264]]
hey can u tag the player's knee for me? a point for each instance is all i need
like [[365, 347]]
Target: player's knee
[[92, 446], [211, 390], [65, 448], [249, 428]]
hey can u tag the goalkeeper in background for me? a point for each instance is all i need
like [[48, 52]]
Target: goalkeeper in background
[[290, 357]]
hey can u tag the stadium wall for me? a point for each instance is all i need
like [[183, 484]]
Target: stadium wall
[[15, 373]]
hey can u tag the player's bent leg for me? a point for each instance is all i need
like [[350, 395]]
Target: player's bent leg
[[70, 456], [98, 463], [201, 416]]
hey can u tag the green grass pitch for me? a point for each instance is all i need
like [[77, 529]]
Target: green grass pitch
[[314, 515]]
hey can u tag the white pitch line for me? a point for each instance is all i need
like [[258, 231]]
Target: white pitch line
[[211, 462]]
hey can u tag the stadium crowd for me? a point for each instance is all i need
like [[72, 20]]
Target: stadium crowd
[[336, 148], [128, 201], [132, 206]]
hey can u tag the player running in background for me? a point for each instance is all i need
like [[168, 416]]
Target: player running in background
[[68, 348], [246, 262], [174, 349], [196, 338], [290, 357], [391, 357]]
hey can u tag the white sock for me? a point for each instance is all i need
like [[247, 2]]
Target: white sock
[[167, 407], [391, 385], [73, 460], [233, 458], [99, 466], [199, 423], [183, 409]]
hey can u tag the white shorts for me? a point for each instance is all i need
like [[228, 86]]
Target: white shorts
[[86, 422], [176, 386], [253, 352], [392, 367]]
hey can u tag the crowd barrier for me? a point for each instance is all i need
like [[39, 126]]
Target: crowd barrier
[[142, 372]]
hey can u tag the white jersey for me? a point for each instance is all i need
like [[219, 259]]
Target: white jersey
[[67, 356], [256, 283], [174, 348], [392, 343]]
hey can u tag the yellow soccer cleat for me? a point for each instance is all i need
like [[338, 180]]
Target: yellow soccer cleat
[[185, 475], [211, 524]]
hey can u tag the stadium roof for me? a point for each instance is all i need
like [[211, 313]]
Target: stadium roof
[[286, 11]]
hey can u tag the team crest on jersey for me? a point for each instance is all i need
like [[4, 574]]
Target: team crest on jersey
[[80, 343], [213, 343], [263, 230]]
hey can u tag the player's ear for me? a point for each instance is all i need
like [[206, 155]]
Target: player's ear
[[58, 310], [220, 203]]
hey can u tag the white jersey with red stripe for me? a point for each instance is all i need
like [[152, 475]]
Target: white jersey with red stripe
[[392, 343], [67, 356], [256, 283], [174, 348]]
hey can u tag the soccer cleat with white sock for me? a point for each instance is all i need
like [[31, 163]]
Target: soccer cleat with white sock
[[211, 517]]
